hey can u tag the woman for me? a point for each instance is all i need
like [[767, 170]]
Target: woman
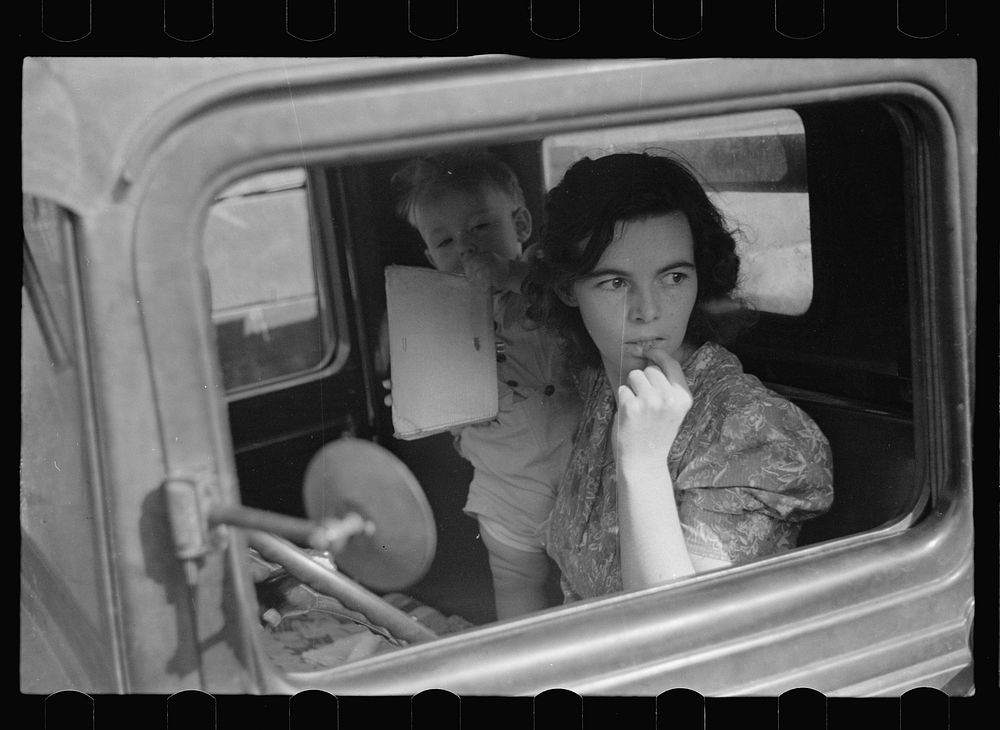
[[682, 462]]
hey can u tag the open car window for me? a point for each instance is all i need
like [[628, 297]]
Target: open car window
[[754, 167], [266, 281]]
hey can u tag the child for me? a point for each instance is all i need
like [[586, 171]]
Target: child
[[470, 212], [682, 462]]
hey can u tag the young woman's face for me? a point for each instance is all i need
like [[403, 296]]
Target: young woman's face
[[640, 294]]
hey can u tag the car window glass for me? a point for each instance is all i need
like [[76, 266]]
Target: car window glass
[[754, 169], [58, 546], [266, 305]]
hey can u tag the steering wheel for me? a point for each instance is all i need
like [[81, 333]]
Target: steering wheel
[[356, 476]]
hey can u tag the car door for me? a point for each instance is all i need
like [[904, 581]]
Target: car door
[[874, 612]]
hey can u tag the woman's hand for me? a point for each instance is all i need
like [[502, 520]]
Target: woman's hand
[[650, 411], [651, 408]]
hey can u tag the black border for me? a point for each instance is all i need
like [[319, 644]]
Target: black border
[[731, 28]]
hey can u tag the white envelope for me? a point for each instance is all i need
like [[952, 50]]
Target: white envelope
[[442, 351]]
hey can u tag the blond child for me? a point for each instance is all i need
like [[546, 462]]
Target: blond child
[[471, 215]]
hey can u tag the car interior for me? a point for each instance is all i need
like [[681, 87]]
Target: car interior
[[823, 196]]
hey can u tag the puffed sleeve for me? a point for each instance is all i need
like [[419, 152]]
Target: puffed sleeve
[[754, 469]]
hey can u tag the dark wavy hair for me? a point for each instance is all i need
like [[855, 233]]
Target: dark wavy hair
[[583, 214]]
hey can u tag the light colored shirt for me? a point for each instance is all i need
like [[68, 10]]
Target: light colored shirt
[[520, 456]]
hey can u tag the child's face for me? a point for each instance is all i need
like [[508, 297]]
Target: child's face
[[641, 293], [456, 223]]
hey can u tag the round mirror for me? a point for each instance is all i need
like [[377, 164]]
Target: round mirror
[[354, 475]]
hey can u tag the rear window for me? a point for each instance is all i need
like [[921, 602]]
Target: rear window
[[753, 166], [266, 303]]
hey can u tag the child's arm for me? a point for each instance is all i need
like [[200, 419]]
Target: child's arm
[[515, 276], [519, 577], [489, 271], [519, 269]]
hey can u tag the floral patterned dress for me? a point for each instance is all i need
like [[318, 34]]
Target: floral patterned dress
[[748, 467]]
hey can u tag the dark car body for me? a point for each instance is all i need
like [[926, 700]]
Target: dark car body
[[125, 387]]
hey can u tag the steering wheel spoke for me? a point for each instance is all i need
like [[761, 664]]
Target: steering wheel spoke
[[333, 583]]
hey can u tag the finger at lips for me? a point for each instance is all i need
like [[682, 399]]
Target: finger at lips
[[668, 365], [660, 358]]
